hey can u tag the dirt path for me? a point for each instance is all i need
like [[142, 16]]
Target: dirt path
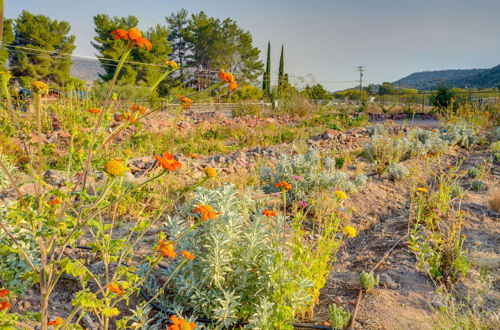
[[406, 298]]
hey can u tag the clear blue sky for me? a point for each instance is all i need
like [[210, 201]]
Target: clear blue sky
[[324, 39]]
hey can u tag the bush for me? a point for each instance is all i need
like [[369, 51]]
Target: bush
[[247, 92], [473, 172], [460, 134], [339, 317], [397, 172], [307, 174], [478, 185], [238, 267]]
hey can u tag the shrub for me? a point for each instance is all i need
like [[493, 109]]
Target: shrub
[[460, 134], [496, 133], [307, 175], [238, 269], [397, 172], [473, 172], [4, 180], [247, 92], [456, 191], [339, 317], [376, 130], [368, 280], [478, 185]]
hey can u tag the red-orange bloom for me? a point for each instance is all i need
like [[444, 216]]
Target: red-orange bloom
[[186, 102], [167, 249], [226, 76], [195, 156], [269, 213], [130, 117], [144, 43], [94, 110], [120, 34], [283, 185], [178, 323], [188, 255], [233, 86], [57, 321], [4, 305], [206, 211], [139, 108], [115, 288], [55, 201], [134, 34], [168, 162], [4, 293]]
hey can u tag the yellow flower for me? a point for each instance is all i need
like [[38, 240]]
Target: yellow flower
[[115, 168], [172, 64], [210, 172], [340, 194], [422, 190], [350, 231], [128, 152], [40, 87]]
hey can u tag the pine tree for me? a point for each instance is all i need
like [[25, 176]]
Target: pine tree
[[266, 81], [178, 27], [7, 38], [281, 71], [50, 40]]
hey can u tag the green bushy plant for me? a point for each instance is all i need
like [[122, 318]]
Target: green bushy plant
[[238, 272], [397, 172], [473, 172], [338, 316], [368, 280], [456, 191], [460, 134], [307, 173], [478, 185], [4, 179], [243, 110], [496, 133]]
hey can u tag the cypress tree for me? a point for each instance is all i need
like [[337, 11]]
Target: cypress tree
[[281, 72], [266, 81]]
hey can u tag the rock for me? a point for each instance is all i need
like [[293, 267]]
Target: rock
[[55, 178], [330, 134], [387, 281], [219, 159]]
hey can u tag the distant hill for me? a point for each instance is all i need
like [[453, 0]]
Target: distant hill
[[472, 78], [86, 69]]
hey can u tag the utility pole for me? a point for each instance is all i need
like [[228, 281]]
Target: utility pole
[[361, 69]]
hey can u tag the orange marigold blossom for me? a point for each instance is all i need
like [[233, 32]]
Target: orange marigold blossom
[[134, 34], [120, 34], [269, 213], [185, 101], [115, 288], [188, 255], [57, 321], [94, 110], [139, 108], [233, 86], [4, 293], [195, 156], [168, 162], [178, 323], [4, 305], [130, 117], [172, 64], [206, 212], [144, 43], [55, 201], [226, 76], [167, 249], [283, 185]]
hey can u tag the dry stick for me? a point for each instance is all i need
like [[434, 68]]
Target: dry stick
[[360, 294]]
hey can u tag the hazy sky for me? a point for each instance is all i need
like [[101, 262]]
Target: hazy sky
[[325, 40]]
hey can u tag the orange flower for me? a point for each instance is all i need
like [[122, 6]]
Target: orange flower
[[233, 86], [55, 201], [134, 34], [283, 185], [120, 34], [130, 117], [115, 288], [56, 322], [4, 293], [206, 211], [269, 213], [94, 110], [168, 162], [139, 108], [167, 249], [186, 102], [226, 76], [194, 156], [188, 255], [178, 323], [4, 305]]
